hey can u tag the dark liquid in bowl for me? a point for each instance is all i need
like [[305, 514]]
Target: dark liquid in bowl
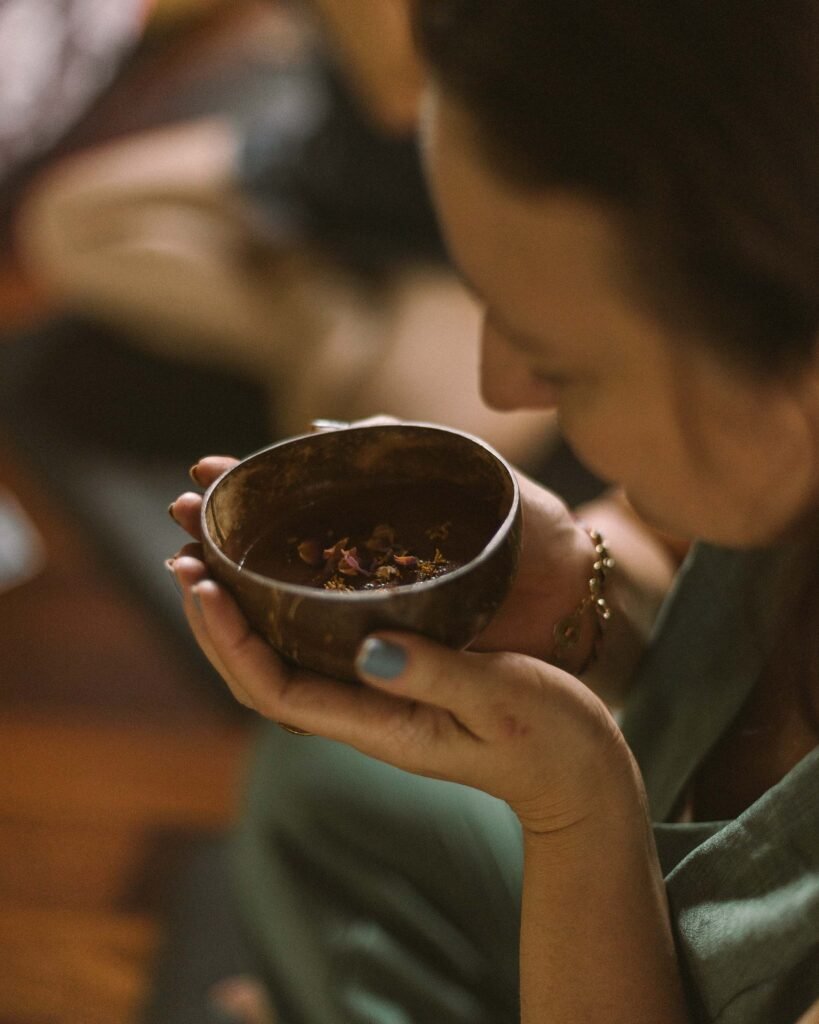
[[416, 532]]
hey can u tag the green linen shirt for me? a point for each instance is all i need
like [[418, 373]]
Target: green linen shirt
[[744, 894]]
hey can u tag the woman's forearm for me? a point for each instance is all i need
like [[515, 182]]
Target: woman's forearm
[[596, 942]]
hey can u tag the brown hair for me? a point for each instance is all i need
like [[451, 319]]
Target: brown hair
[[698, 120]]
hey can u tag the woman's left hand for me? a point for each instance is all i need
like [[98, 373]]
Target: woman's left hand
[[504, 723]]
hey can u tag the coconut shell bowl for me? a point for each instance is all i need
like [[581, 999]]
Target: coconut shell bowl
[[325, 538]]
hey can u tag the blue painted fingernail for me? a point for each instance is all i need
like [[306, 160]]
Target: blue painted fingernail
[[381, 659]]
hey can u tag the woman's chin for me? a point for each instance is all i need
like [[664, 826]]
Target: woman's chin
[[720, 527]]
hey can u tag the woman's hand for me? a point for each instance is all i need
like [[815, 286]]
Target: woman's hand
[[505, 723], [556, 561]]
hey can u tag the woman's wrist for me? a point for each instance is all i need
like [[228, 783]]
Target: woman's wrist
[[603, 794], [594, 907], [578, 636]]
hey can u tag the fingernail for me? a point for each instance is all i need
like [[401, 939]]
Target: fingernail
[[170, 510], [192, 473], [169, 566], [381, 659]]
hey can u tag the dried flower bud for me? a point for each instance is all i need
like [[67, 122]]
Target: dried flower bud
[[349, 564], [310, 552]]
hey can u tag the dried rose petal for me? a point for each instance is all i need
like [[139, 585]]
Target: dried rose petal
[[336, 549], [380, 559], [332, 556], [349, 564], [310, 552]]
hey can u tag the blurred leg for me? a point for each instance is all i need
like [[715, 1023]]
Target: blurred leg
[[203, 943], [374, 896], [150, 233]]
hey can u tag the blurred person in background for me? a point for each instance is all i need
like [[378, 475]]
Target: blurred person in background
[[471, 836], [295, 241], [56, 57]]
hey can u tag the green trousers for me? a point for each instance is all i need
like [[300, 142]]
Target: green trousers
[[375, 896]]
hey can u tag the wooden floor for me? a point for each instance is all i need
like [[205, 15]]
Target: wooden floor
[[112, 762]]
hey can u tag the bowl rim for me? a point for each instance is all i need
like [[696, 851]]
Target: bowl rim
[[382, 593]]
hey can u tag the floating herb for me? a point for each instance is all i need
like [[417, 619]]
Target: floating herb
[[377, 562], [337, 583], [310, 551], [440, 532]]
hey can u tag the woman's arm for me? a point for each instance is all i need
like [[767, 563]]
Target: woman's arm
[[596, 943]]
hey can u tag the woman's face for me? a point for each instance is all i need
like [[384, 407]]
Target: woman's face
[[702, 450]]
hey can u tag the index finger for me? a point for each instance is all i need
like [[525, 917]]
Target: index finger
[[186, 508], [210, 468]]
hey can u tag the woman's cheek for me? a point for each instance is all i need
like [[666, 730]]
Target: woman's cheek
[[592, 433]]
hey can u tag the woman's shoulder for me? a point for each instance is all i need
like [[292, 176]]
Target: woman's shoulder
[[711, 642], [745, 902]]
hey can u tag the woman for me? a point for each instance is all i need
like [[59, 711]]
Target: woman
[[630, 189]]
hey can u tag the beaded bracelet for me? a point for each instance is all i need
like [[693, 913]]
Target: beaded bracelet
[[567, 631]]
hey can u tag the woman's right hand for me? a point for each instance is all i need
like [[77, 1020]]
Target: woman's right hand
[[556, 566], [556, 560]]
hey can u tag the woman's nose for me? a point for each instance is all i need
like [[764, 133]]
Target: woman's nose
[[506, 380]]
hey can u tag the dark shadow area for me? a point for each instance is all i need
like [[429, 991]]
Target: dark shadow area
[[112, 431]]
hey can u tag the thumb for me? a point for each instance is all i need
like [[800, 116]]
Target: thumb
[[464, 683]]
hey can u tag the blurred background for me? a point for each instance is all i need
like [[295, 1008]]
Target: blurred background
[[213, 229]]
